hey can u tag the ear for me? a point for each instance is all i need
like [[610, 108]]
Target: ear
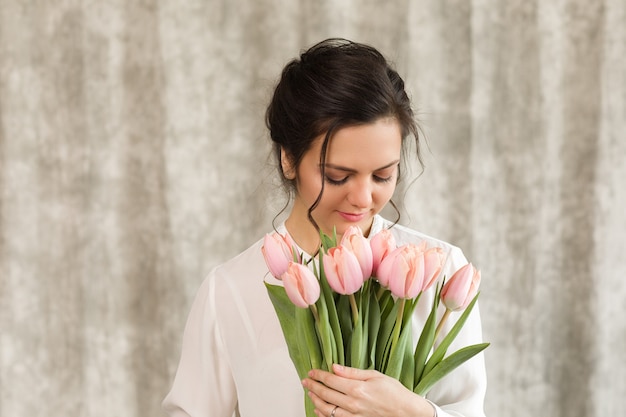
[[286, 163]]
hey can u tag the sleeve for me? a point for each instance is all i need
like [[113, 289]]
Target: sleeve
[[203, 386], [462, 392]]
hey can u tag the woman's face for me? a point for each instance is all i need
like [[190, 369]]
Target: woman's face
[[361, 173]]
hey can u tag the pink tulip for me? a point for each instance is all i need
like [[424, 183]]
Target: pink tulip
[[278, 251], [382, 244], [343, 270], [433, 264], [354, 240], [301, 285], [459, 291], [402, 271]]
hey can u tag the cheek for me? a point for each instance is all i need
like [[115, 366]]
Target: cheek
[[384, 194], [333, 195], [309, 188]]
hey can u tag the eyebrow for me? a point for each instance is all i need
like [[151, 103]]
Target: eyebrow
[[350, 170]]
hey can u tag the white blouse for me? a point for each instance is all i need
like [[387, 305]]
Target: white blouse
[[235, 360]]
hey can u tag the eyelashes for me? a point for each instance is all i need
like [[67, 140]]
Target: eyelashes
[[333, 181], [383, 180], [380, 180]]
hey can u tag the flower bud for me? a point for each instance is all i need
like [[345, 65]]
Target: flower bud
[[301, 285], [382, 244], [278, 251], [343, 271], [461, 289], [402, 271], [354, 240], [433, 264]]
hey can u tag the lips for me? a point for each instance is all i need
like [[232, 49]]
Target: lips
[[352, 217]]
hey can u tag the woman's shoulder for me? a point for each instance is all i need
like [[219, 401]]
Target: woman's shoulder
[[247, 261], [238, 278]]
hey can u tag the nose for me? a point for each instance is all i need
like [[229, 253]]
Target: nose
[[360, 194]]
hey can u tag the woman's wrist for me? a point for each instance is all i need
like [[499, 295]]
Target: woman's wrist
[[432, 404], [420, 406]]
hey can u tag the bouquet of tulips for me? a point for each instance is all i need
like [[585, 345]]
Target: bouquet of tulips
[[352, 305]]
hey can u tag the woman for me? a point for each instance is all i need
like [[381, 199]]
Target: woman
[[340, 121]]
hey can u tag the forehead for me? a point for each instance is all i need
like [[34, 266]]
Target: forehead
[[376, 143]]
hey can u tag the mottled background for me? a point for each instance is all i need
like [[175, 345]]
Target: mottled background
[[133, 158]]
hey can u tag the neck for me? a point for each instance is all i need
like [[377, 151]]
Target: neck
[[303, 233]]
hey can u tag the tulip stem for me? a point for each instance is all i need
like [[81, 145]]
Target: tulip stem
[[354, 308], [380, 292], [398, 326], [315, 314], [325, 356], [441, 323]]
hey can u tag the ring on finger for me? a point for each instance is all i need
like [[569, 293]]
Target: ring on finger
[[332, 413]]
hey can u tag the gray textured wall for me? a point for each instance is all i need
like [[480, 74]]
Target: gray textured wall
[[133, 158]]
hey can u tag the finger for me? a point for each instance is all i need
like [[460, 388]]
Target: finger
[[354, 373], [322, 407], [339, 382], [322, 394], [333, 411], [329, 380]]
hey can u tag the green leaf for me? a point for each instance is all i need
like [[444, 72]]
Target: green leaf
[[309, 407], [398, 358], [441, 350], [426, 340], [446, 366], [374, 326], [409, 307], [307, 338], [344, 313], [328, 299], [325, 333], [286, 312], [358, 351], [383, 344], [364, 317], [400, 365], [407, 372], [327, 241], [386, 303]]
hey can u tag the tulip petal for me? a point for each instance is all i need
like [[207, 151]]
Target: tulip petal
[[397, 280], [343, 271], [461, 288], [415, 279], [301, 285], [433, 264], [383, 243], [355, 242], [278, 251], [385, 270]]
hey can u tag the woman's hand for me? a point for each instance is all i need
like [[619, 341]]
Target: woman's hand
[[364, 393]]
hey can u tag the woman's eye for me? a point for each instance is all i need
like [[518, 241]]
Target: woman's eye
[[383, 179], [334, 181]]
